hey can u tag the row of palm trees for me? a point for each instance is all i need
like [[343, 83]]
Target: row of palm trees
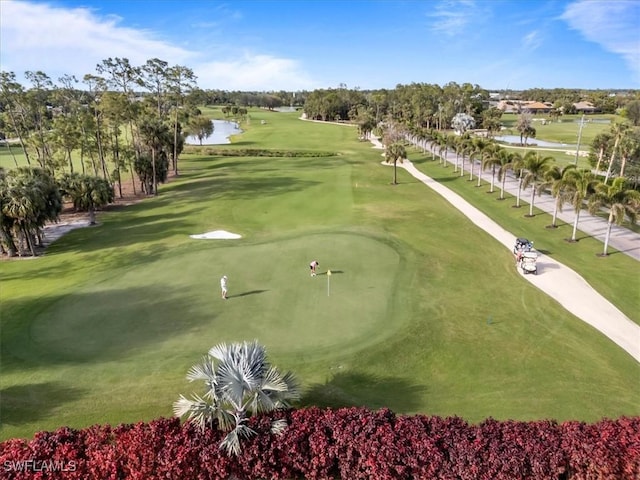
[[568, 185], [30, 197]]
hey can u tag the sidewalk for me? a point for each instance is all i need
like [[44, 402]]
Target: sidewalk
[[621, 239], [555, 279]]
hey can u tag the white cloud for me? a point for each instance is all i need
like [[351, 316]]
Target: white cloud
[[532, 40], [253, 72], [72, 41], [613, 24], [58, 41], [452, 16]]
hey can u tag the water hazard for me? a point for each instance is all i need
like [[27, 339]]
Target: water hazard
[[222, 130], [532, 142]]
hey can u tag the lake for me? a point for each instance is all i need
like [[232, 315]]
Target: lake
[[222, 130], [531, 141]]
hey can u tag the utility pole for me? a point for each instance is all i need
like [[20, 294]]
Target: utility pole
[[579, 138]]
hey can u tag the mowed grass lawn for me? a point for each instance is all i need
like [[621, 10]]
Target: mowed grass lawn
[[423, 312]]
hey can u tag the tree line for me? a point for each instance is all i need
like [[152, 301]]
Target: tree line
[[567, 184], [460, 108]]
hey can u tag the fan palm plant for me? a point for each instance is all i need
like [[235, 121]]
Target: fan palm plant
[[239, 383]]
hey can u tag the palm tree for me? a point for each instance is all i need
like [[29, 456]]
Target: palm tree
[[479, 144], [601, 143], [458, 145], [618, 130], [504, 163], [157, 138], [467, 149], [87, 193], [239, 382], [556, 178], [535, 166], [395, 153], [621, 202], [29, 197], [629, 148], [488, 160], [583, 184]]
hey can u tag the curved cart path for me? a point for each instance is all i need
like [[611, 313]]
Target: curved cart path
[[555, 279]]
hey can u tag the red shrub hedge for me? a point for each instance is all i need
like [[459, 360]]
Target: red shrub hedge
[[320, 444]]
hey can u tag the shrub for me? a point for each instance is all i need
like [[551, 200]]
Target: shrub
[[323, 444]]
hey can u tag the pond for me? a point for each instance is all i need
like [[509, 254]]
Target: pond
[[531, 141], [222, 130]]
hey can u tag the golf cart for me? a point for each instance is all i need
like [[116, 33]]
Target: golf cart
[[528, 262], [522, 245]]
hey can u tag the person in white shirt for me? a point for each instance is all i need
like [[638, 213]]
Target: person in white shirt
[[223, 286]]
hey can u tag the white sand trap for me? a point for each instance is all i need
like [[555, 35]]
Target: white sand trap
[[217, 235]]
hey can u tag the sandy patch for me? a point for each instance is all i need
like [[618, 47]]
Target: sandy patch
[[54, 231], [217, 235]]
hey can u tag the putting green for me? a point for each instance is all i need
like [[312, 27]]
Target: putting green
[[272, 298]]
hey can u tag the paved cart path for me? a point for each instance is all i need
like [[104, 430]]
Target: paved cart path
[[555, 279]]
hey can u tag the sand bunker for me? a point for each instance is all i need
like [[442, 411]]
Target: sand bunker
[[217, 235]]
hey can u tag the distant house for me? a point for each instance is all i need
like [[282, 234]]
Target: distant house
[[536, 107], [509, 106], [584, 107], [519, 106]]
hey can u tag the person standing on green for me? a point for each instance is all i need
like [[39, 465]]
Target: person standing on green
[[223, 287]]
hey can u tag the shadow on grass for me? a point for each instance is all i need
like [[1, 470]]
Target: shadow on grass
[[92, 327], [244, 294], [448, 179], [235, 188], [136, 225], [34, 401], [352, 389], [338, 272], [104, 262]]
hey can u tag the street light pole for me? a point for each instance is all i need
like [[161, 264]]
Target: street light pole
[[579, 138]]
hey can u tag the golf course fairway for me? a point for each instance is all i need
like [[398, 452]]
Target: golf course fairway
[[422, 313]]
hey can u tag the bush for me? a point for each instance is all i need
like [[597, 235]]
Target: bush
[[322, 444]]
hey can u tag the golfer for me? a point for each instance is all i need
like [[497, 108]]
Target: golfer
[[223, 286], [313, 265]]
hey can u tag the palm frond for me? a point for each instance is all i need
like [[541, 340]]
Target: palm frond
[[273, 380], [219, 351], [278, 426], [293, 391], [231, 442], [205, 370], [198, 410]]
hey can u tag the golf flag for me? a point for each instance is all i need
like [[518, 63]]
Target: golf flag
[[329, 272], [328, 282]]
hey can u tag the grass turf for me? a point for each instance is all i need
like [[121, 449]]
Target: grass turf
[[425, 314]]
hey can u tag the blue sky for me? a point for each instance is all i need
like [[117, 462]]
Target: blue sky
[[303, 45]]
